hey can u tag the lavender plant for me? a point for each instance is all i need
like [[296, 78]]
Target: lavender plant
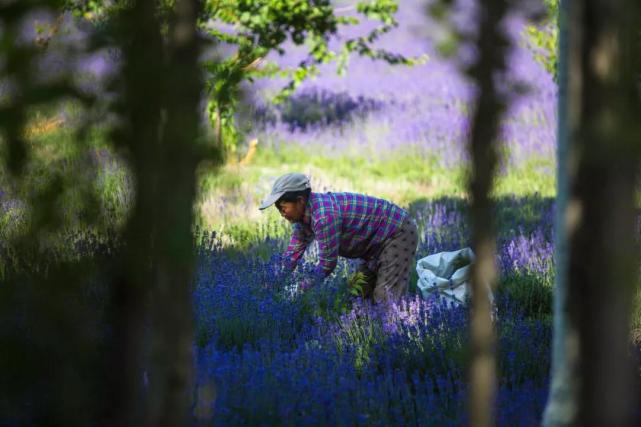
[[273, 356], [267, 353]]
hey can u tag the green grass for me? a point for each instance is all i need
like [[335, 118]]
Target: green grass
[[72, 176], [536, 176], [402, 177]]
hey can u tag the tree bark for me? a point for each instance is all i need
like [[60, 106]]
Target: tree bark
[[562, 406], [139, 139], [172, 372], [603, 262], [493, 44], [153, 307], [600, 215]]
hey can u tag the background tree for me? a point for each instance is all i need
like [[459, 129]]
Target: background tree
[[544, 37]]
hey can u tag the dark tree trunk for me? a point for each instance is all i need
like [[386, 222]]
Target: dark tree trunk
[[493, 46], [603, 261], [142, 104], [172, 374], [599, 218], [153, 314]]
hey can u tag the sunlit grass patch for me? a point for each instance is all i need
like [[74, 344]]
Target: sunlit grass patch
[[232, 194], [81, 188], [536, 175]]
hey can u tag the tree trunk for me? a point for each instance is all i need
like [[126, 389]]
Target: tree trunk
[[139, 138], [153, 317], [600, 217], [171, 380], [603, 257], [492, 45], [562, 406]]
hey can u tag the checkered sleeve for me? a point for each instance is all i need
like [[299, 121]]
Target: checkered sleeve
[[296, 248], [327, 230]]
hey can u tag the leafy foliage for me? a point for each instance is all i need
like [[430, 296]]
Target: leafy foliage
[[356, 283], [263, 27], [544, 37], [254, 29]]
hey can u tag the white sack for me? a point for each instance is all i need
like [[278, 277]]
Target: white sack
[[447, 274]]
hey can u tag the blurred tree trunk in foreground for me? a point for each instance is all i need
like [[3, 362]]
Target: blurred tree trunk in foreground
[[493, 47], [563, 398], [153, 294], [173, 316], [143, 70], [598, 217]]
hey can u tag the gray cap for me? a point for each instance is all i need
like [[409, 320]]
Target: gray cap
[[284, 184]]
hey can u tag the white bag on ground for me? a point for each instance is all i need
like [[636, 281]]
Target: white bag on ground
[[447, 275]]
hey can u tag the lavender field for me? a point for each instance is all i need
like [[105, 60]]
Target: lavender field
[[267, 353], [320, 358], [121, 210]]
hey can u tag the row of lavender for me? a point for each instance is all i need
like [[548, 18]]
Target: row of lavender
[[425, 107], [275, 356]]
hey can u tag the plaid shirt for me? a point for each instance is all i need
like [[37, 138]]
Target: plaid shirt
[[346, 224]]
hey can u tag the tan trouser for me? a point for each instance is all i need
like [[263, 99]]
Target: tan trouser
[[394, 264]]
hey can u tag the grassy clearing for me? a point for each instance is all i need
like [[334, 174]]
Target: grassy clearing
[[229, 197]]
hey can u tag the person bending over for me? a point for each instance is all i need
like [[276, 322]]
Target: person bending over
[[349, 225]]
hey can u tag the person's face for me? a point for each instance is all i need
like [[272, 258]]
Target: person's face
[[292, 211]]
